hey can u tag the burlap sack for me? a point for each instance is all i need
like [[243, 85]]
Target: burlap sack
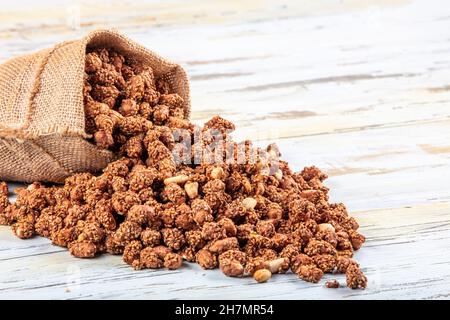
[[42, 121]]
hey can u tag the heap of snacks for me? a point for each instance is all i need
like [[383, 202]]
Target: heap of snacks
[[226, 204]]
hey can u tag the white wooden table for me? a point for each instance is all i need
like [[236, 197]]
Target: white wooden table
[[358, 88]]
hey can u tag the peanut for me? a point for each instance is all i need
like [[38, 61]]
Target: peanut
[[277, 265], [278, 174], [325, 226], [191, 189], [249, 203], [217, 173]]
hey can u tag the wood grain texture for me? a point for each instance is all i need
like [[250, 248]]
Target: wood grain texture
[[358, 88]]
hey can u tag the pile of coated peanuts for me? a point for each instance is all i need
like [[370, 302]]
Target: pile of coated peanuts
[[181, 192]]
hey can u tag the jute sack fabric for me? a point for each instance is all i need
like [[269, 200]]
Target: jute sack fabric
[[42, 120]]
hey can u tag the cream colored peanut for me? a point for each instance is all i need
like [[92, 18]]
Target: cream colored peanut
[[325, 226], [278, 174], [217, 173], [276, 265], [249, 203], [191, 189], [262, 275]]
